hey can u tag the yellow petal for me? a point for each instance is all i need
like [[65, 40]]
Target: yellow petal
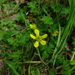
[[57, 32], [43, 42], [32, 36], [33, 26], [54, 34], [44, 36], [36, 44], [36, 31]]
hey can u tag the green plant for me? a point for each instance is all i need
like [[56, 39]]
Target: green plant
[[18, 52]]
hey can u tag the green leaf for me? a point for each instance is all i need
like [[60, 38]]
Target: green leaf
[[15, 72], [65, 11], [10, 40], [51, 72], [47, 20], [33, 72], [56, 8], [72, 62], [32, 5], [45, 55]]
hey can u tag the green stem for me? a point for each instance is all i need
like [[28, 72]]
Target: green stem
[[40, 56]]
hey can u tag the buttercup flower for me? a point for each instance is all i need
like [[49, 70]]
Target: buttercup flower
[[55, 33], [38, 38], [33, 26]]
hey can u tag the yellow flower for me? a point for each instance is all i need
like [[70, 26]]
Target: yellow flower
[[55, 33], [38, 38], [33, 26]]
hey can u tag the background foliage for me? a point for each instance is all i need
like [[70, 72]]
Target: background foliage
[[18, 56]]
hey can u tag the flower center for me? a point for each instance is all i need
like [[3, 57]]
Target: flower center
[[38, 38]]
